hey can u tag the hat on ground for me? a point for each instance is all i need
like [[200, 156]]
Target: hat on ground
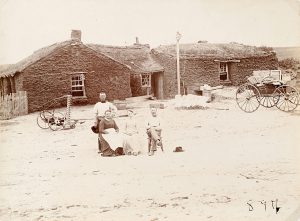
[[178, 149], [119, 151], [95, 129]]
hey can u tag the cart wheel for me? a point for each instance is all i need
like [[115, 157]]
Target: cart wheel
[[286, 98], [248, 98], [56, 122], [267, 101], [42, 119]]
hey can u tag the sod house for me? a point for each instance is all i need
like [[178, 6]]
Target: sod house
[[147, 74], [84, 70], [68, 67], [213, 64]]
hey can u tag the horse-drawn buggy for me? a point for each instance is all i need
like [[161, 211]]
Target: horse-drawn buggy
[[267, 88]]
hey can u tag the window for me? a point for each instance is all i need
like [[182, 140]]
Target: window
[[146, 80], [223, 71], [78, 89]]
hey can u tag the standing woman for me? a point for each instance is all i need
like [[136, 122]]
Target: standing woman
[[109, 136], [99, 111]]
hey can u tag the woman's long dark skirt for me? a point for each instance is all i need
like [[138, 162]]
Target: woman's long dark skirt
[[104, 148]]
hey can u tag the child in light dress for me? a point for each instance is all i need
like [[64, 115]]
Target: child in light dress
[[132, 142]]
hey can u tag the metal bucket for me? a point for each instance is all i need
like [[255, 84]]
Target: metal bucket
[[208, 94]]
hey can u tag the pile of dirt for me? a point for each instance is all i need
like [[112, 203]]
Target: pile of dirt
[[190, 101]]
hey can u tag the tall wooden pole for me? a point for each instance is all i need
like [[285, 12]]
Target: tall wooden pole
[[178, 36], [68, 113]]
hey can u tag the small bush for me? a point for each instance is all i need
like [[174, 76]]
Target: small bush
[[289, 63], [266, 48]]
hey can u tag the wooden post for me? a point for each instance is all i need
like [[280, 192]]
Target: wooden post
[[178, 37], [68, 113]]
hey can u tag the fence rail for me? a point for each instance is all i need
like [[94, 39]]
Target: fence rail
[[12, 105]]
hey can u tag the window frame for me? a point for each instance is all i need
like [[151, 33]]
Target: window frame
[[81, 80], [149, 80], [221, 71]]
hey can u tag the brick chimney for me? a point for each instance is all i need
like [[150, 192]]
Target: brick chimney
[[138, 44], [76, 35]]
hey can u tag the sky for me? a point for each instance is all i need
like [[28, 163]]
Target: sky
[[27, 25]]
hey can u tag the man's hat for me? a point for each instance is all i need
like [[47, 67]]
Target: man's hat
[[95, 129], [119, 151], [178, 149]]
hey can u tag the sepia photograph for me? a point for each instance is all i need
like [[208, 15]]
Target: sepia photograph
[[158, 110]]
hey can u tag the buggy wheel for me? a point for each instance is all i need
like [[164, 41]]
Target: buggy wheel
[[42, 119], [286, 98], [267, 101], [248, 98], [56, 122]]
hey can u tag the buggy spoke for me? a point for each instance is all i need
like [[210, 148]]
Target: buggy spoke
[[271, 101], [248, 98], [263, 100], [285, 105], [281, 103], [245, 104], [241, 100], [291, 105], [287, 98], [268, 102], [293, 100], [250, 105]]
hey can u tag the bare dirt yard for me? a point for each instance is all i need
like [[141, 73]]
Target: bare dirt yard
[[236, 166]]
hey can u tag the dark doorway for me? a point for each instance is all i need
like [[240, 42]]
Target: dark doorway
[[157, 84]]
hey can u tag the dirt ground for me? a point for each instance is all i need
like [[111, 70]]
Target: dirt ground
[[234, 165]]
